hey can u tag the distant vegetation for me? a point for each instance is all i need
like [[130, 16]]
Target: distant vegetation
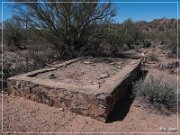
[[111, 38], [162, 30]]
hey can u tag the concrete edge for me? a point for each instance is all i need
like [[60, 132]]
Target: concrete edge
[[46, 69]]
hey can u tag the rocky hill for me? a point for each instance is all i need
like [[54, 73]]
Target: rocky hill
[[163, 24]]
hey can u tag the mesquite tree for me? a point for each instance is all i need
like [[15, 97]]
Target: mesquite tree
[[68, 25]]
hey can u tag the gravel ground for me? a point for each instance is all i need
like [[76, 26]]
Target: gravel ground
[[21, 115]]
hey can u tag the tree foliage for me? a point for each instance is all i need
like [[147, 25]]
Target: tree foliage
[[132, 32], [12, 32], [69, 25], [127, 33]]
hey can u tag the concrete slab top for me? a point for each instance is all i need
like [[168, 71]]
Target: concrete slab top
[[86, 75]]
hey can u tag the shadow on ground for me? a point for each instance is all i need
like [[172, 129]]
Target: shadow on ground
[[123, 105]]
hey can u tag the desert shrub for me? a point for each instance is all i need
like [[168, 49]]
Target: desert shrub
[[123, 36], [118, 37], [147, 42], [10, 48], [115, 39], [132, 33], [13, 64], [37, 55], [168, 40], [6, 68], [19, 62], [158, 92], [9, 70], [172, 41], [14, 34], [6, 74]]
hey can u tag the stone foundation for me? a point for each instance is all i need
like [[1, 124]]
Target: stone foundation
[[89, 100]]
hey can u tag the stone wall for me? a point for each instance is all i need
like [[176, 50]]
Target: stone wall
[[97, 106]]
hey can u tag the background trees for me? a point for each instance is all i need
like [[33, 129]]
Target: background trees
[[13, 32], [75, 29]]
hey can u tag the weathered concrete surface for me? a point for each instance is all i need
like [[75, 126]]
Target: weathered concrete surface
[[89, 100]]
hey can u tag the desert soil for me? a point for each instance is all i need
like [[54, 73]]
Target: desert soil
[[22, 115]]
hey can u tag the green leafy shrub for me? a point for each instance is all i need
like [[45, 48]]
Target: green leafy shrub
[[159, 93]]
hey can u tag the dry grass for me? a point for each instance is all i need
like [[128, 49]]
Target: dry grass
[[160, 93]]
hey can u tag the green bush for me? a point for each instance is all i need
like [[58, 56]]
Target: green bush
[[158, 92]]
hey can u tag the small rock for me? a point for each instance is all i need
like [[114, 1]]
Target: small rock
[[171, 129], [87, 62], [61, 109], [44, 121], [52, 76], [60, 78], [120, 67], [102, 76], [113, 63], [99, 85], [101, 81], [163, 129], [173, 71], [102, 106], [137, 105], [91, 82]]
